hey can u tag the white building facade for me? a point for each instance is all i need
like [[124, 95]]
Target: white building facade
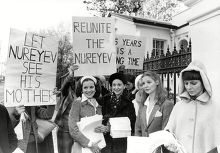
[[202, 20], [200, 23]]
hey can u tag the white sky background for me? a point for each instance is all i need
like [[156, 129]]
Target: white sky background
[[33, 15]]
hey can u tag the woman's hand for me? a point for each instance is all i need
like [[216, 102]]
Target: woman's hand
[[75, 129], [172, 147], [95, 148], [139, 95], [102, 129], [19, 109], [72, 68], [55, 91]]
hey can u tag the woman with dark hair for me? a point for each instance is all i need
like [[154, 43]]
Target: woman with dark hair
[[154, 109], [116, 104], [87, 90], [195, 119], [130, 86], [79, 87]]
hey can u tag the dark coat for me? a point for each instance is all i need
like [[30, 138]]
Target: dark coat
[[64, 139], [8, 138], [64, 104], [29, 144], [104, 91], [124, 109]]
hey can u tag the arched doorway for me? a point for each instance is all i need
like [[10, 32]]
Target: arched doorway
[[183, 44]]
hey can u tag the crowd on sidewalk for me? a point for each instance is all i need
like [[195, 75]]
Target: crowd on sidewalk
[[193, 119]]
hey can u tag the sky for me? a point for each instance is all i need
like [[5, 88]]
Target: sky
[[33, 15]]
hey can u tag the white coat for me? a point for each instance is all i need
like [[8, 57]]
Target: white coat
[[195, 122]]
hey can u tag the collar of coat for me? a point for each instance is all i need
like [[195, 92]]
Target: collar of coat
[[203, 98], [84, 100]]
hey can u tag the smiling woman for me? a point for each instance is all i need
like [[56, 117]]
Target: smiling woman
[[87, 91], [117, 104]]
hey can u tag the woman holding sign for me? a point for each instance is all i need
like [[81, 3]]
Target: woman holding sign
[[155, 108], [85, 105], [66, 98]]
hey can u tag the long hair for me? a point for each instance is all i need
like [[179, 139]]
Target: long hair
[[79, 88], [161, 93]]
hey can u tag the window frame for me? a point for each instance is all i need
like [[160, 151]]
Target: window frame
[[158, 46]]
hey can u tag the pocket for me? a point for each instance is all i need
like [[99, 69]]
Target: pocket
[[158, 114]]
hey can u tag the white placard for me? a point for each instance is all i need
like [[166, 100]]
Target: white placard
[[120, 127], [87, 126], [150, 144], [94, 46], [30, 69], [130, 51]]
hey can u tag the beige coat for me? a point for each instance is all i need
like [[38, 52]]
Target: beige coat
[[195, 122], [79, 110]]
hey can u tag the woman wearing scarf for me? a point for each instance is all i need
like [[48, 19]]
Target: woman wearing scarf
[[85, 105], [195, 119], [116, 104]]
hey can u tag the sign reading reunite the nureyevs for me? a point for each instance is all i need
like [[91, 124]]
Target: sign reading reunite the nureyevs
[[130, 51], [30, 69], [93, 46]]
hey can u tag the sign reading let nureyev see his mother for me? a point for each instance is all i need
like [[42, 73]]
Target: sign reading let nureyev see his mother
[[93, 46], [30, 69]]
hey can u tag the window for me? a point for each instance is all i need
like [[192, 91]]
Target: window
[[158, 46], [184, 44]]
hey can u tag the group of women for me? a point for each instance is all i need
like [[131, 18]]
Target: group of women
[[193, 120], [149, 111]]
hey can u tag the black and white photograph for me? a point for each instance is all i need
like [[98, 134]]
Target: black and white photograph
[[109, 76]]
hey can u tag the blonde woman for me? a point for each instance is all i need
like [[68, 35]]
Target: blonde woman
[[138, 93], [154, 109]]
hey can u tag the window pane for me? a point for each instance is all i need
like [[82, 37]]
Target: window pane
[[162, 44], [158, 46]]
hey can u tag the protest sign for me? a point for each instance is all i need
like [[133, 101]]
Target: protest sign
[[30, 69], [130, 51], [93, 46]]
